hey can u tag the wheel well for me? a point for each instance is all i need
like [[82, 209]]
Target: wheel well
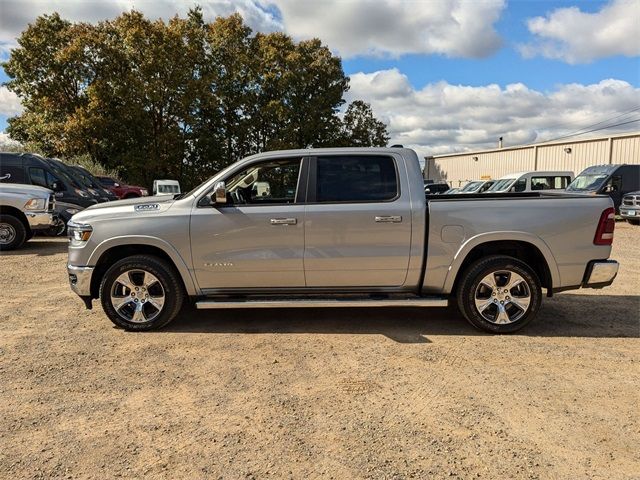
[[115, 254], [14, 212], [523, 251]]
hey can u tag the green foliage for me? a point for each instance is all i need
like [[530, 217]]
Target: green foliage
[[92, 166], [178, 99]]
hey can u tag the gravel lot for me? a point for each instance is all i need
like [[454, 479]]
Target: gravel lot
[[360, 393]]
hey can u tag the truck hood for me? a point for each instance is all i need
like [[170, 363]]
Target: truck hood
[[143, 206], [25, 189]]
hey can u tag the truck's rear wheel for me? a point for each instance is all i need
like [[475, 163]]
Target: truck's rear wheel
[[12, 233], [499, 294], [141, 292]]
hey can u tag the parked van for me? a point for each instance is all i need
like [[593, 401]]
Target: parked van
[[166, 187], [477, 186], [531, 182], [613, 180], [31, 169]]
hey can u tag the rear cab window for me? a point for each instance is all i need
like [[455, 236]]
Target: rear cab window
[[354, 179]]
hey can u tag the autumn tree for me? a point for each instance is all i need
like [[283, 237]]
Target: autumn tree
[[178, 99]]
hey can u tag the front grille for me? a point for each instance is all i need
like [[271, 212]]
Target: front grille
[[631, 200]]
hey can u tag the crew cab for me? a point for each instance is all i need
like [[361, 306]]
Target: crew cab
[[24, 209], [340, 227]]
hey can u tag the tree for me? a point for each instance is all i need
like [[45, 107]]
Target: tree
[[179, 99], [361, 128]]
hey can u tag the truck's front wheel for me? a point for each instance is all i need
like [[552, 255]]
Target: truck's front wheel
[[499, 294], [12, 232], [141, 292]]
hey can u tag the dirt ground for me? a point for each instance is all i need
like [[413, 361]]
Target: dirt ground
[[349, 393]]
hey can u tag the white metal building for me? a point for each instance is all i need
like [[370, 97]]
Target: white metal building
[[459, 168]]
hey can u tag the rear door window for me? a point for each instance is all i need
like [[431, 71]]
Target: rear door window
[[357, 178]]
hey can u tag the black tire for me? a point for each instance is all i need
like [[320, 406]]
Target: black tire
[[499, 300], [13, 233], [167, 278], [633, 221]]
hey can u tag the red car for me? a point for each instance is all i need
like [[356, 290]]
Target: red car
[[122, 190]]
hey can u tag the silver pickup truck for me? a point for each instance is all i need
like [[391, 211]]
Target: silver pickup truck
[[23, 210], [337, 228]]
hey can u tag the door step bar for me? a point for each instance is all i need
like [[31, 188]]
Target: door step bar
[[325, 303]]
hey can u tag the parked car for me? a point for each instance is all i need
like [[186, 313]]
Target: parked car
[[166, 187], [24, 209], [613, 180], [62, 214], [121, 189], [86, 186], [435, 188], [92, 182], [477, 186], [31, 169], [452, 191], [531, 182], [630, 208], [340, 228]]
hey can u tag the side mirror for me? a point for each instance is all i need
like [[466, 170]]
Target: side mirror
[[116, 184], [219, 196], [609, 189]]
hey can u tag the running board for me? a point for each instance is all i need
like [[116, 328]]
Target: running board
[[306, 303]]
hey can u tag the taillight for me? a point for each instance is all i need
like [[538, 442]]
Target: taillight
[[606, 225]]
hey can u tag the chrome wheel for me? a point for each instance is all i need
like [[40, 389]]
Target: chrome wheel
[[137, 296], [7, 233], [502, 297]]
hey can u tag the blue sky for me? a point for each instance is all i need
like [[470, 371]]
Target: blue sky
[[443, 74]]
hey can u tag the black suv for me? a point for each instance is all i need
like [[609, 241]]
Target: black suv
[[31, 169], [613, 180]]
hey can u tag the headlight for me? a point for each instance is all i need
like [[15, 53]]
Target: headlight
[[72, 211], [35, 204], [144, 192], [82, 194], [79, 233]]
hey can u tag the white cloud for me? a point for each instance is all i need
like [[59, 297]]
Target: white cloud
[[575, 36], [5, 141], [441, 117], [9, 103], [15, 15], [455, 28]]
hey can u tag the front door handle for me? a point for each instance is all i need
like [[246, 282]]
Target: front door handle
[[284, 221], [389, 219]]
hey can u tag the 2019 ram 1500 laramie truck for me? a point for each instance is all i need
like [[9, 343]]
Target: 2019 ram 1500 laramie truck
[[338, 228]]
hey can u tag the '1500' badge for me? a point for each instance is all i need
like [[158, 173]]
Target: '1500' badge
[[145, 207]]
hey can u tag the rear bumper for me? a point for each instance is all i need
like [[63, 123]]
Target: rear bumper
[[600, 273], [39, 220], [80, 279]]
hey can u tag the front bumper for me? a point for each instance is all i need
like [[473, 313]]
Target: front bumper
[[629, 212], [80, 279], [39, 220], [600, 273]]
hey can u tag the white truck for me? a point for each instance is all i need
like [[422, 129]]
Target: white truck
[[23, 210]]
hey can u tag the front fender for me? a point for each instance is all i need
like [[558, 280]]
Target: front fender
[[482, 238], [166, 247]]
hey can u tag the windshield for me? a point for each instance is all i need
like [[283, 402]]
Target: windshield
[[471, 186], [501, 185], [587, 182], [64, 175]]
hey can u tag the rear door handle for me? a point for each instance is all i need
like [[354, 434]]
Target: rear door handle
[[389, 219], [284, 221]]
